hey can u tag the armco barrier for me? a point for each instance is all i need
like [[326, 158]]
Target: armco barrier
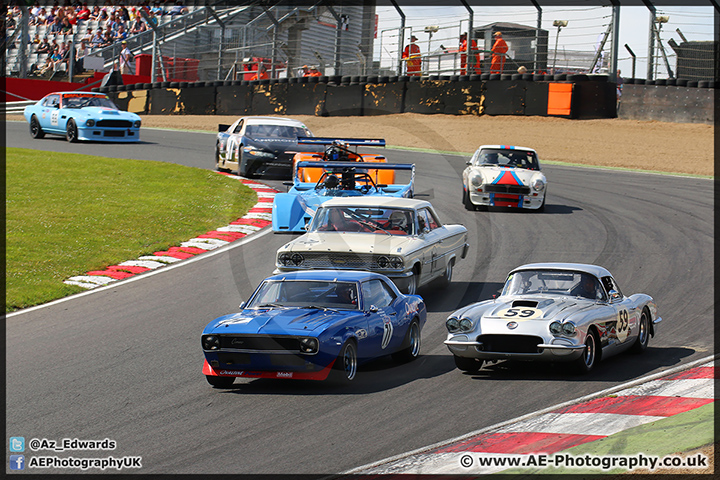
[[568, 96], [667, 103]]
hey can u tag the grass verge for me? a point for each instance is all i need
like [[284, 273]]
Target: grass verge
[[67, 214]]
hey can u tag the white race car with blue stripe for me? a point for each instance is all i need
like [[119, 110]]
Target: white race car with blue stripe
[[504, 176]]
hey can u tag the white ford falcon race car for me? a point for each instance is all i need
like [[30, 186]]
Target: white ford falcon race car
[[504, 176], [555, 312], [400, 238]]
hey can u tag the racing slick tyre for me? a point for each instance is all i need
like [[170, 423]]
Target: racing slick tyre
[[71, 132], [643, 335], [446, 279], [412, 340], [35, 130], [345, 368], [590, 355], [466, 201], [220, 382], [468, 364]]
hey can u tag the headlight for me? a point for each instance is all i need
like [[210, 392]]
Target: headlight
[[288, 259], [136, 124], [466, 325], [452, 324], [90, 123], [258, 153], [309, 345], [568, 328], [476, 180], [390, 262], [556, 328], [538, 185], [210, 342]]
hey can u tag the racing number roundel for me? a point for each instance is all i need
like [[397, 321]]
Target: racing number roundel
[[621, 328], [520, 313]]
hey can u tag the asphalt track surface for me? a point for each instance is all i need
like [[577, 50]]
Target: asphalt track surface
[[124, 362]]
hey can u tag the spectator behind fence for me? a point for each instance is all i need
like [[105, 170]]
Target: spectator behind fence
[[178, 9], [44, 46], [126, 59], [98, 38]]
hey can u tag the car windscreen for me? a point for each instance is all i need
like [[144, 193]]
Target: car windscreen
[[504, 157], [87, 101], [276, 131], [306, 294], [381, 220], [553, 282]]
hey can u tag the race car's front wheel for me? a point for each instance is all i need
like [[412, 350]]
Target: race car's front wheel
[[220, 382], [35, 130], [71, 132], [468, 364], [345, 367], [589, 358], [412, 340], [466, 201], [412, 284]]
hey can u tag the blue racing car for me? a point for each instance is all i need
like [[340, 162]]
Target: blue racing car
[[82, 116], [292, 211], [311, 326]]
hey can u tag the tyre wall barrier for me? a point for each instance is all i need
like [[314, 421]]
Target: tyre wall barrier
[[571, 96]]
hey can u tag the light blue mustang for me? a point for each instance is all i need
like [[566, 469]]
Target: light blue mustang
[[82, 116], [292, 211]]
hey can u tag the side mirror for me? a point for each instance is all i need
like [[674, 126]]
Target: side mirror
[[242, 305], [468, 162], [614, 296], [373, 309]]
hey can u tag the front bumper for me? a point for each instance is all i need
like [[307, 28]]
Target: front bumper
[[562, 350], [531, 202], [108, 134]]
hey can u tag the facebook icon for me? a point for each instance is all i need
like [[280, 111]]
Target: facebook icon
[[17, 462]]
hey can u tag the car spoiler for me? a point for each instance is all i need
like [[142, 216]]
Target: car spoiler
[[369, 142], [357, 165], [222, 127]]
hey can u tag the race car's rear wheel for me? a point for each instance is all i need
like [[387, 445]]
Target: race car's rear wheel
[[412, 342], [446, 279], [71, 132], [345, 368], [643, 337], [218, 161], [468, 364], [220, 382], [590, 355], [35, 130]]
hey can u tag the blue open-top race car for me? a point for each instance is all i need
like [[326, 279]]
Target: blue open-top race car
[[292, 211], [311, 326]]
